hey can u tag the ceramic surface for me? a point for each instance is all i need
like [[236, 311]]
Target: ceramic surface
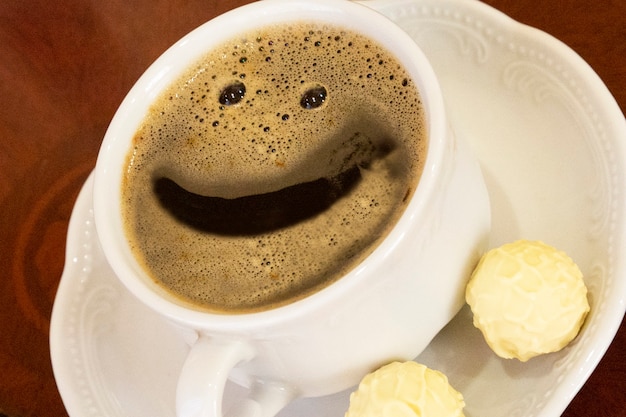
[[549, 138]]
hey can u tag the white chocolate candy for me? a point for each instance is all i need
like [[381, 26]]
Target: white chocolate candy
[[528, 299], [405, 389]]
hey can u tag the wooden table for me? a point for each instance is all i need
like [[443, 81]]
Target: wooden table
[[64, 68]]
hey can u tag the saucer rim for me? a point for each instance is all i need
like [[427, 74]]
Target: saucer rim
[[615, 123]]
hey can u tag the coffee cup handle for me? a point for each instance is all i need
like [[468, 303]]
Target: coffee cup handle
[[203, 377]]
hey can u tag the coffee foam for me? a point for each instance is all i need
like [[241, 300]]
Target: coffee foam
[[371, 118]]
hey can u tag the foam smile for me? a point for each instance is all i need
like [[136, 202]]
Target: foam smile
[[255, 214]]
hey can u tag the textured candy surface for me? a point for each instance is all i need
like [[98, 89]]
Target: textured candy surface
[[405, 389], [528, 299]]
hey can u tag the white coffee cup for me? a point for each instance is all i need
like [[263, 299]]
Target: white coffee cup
[[388, 308]]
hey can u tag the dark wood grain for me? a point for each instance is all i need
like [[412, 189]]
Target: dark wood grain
[[64, 68]]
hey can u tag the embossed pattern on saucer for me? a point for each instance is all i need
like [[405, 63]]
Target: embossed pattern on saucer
[[549, 137]]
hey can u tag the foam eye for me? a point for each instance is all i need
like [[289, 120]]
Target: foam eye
[[232, 93], [313, 97]]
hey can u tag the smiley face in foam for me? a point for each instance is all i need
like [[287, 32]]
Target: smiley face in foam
[[291, 149], [287, 106]]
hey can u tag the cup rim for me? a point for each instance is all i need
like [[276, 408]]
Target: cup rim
[[117, 141]]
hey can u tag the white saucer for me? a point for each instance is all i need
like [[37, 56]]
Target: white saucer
[[550, 139]]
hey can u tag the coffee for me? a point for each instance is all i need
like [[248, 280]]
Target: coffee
[[272, 167]]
